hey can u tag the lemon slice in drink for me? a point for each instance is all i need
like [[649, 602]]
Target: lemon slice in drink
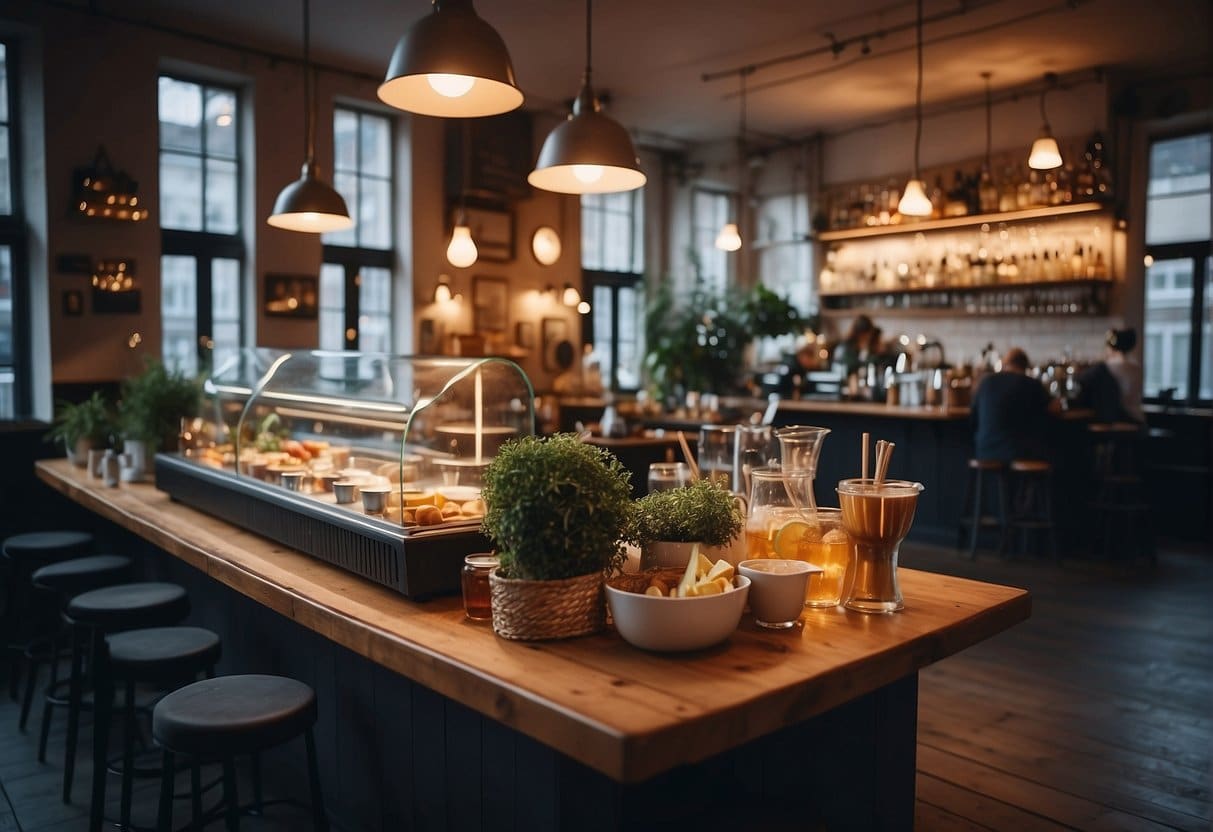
[[787, 540]]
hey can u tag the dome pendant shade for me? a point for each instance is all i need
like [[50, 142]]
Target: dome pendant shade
[[451, 64], [914, 201], [729, 238], [1045, 154], [310, 205], [589, 153], [461, 252]]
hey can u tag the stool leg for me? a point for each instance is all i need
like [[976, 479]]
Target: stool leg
[[128, 752], [76, 692], [103, 705], [975, 517], [319, 819], [231, 798], [1004, 518], [257, 782], [195, 795], [31, 681], [164, 814]]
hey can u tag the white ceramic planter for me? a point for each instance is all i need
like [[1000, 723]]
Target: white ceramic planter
[[136, 451], [660, 553]]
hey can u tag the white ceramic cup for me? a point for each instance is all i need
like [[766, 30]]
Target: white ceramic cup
[[777, 590]]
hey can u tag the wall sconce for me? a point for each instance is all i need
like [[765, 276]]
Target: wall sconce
[[570, 296], [102, 191], [584, 307], [114, 275], [442, 291]]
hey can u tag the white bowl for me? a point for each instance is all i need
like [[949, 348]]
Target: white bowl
[[653, 622]]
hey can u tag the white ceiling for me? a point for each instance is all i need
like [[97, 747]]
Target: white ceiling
[[650, 54]]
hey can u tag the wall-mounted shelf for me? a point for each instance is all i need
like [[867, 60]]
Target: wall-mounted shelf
[[967, 221], [984, 287], [1054, 297]]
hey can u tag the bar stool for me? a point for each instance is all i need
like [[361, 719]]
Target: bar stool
[[162, 656], [98, 613], [23, 554], [1032, 504], [973, 516], [1120, 509], [62, 580], [219, 719]]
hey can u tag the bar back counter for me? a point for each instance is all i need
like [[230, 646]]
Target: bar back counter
[[430, 721]]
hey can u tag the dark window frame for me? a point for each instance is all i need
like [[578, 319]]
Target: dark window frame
[[353, 261], [612, 281], [15, 235]]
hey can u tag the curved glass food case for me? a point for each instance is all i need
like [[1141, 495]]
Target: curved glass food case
[[370, 462]]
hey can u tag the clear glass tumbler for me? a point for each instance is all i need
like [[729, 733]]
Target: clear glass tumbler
[[716, 453], [664, 476], [877, 516]]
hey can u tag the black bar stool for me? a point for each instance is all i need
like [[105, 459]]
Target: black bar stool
[[23, 555], [973, 516], [63, 580], [219, 719], [1120, 508], [97, 613], [1032, 503]]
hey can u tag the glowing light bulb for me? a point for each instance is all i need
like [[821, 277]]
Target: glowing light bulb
[[1045, 153], [461, 252], [589, 174], [729, 238], [914, 201], [442, 293], [223, 120], [450, 86], [570, 297], [584, 307]]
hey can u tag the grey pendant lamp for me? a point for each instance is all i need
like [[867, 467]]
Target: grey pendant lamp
[[453, 64], [308, 204], [589, 153]]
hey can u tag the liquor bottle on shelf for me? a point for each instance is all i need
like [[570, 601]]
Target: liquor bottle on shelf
[[1008, 195], [987, 192]]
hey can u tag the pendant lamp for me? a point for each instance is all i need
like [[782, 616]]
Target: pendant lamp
[[589, 153], [914, 201], [729, 238], [1045, 154], [452, 64], [309, 204], [461, 251]]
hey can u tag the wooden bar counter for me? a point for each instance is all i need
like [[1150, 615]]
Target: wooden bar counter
[[627, 732]]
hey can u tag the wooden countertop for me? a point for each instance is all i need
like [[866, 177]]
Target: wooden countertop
[[624, 712]]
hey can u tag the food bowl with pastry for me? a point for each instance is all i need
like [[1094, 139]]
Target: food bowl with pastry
[[670, 609]]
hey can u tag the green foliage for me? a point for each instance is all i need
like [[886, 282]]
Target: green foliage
[[556, 508], [91, 419], [768, 315], [155, 401], [702, 512]]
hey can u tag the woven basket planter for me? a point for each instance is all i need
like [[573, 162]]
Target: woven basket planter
[[538, 610]]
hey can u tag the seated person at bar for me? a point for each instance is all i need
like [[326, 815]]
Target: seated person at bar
[[1010, 413], [1112, 388], [854, 350]]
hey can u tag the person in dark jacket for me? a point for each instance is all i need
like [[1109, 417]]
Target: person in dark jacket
[[1010, 413]]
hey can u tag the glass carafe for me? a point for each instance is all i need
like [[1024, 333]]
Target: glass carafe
[[716, 453], [778, 498], [799, 447], [753, 448]]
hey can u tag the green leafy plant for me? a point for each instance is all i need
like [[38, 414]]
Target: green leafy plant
[[696, 345], [90, 419], [556, 508], [702, 512], [154, 402], [768, 315]]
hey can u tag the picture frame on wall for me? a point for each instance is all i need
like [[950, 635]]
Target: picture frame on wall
[[524, 335], [554, 331], [492, 231], [429, 337], [292, 296], [73, 303], [490, 303]]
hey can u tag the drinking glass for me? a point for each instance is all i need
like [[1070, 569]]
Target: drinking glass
[[752, 448], [877, 516], [777, 498], [716, 453], [664, 476]]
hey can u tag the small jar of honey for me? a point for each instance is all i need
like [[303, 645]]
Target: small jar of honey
[[477, 601]]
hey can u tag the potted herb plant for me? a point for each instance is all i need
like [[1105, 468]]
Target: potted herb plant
[[667, 524], [151, 409], [82, 427], [557, 511]]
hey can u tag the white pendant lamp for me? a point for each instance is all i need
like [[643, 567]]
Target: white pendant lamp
[[729, 238], [1045, 154], [589, 153], [309, 204], [461, 251], [452, 64], [914, 201]]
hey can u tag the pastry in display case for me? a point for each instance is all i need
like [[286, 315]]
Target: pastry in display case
[[370, 462]]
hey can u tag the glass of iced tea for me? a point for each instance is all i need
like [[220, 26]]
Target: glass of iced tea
[[877, 516]]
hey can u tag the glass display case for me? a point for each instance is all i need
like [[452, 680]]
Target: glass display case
[[370, 462]]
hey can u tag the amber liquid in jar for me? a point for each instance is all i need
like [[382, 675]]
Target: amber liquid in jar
[[477, 600]]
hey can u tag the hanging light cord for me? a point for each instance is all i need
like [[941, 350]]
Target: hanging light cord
[[309, 109], [1044, 92], [589, 13], [918, 94], [989, 117]]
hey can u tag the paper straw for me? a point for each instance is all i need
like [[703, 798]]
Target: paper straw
[[686, 454], [863, 456]]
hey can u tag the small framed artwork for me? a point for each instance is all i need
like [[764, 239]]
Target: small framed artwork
[[73, 303], [524, 335], [292, 295], [555, 330], [429, 336], [492, 230], [490, 303]]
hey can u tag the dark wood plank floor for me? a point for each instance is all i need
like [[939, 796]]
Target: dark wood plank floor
[[1096, 714]]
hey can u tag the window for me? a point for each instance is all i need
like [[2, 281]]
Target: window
[[710, 210], [612, 261], [14, 358], [1179, 300], [202, 260], [356, 278]]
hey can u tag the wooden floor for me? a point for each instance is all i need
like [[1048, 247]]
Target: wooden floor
[[1096, 714]]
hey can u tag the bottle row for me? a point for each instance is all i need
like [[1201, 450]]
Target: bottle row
[[1070, 300], [997, 185]]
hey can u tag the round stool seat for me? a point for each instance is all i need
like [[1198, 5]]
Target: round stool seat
[[70, 577], [985, 464], [162, 652], [127, 606], [1030, 466], [233, 715], [39, 546], [1115, 428]]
